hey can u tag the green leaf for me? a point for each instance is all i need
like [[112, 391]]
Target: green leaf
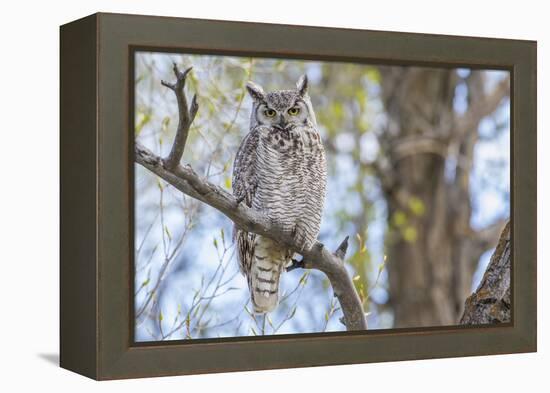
[[399, 218], [196, 311], [165, 123], [362, 295], [270, 322], [139, 79], [382, 266], [361, 96], [417, 206], [362, 246], [338, 111], [187, 321], [374, 75], [410, 234], [142, 120]]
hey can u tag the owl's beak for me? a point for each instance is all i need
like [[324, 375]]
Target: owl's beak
[[282, 124]]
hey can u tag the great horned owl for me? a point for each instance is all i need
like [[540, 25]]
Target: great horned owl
[[280, 170]]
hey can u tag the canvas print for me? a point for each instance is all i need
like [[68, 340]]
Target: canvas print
[[284, 196]]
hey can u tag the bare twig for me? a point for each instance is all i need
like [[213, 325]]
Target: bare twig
[[186, 116], [187, 181], [168, 256], [292, 308]]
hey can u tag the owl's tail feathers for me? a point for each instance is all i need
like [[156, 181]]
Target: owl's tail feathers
[[269, 261]]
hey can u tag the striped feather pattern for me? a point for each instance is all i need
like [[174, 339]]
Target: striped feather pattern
[[282, 173]]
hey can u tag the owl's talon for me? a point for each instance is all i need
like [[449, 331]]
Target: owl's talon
[[240, 199], [295, 265]]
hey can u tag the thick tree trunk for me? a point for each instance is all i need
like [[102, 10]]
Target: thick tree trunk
[[491, 302], [432, 250]]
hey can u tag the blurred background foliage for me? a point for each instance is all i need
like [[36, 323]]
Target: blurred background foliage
[[418, 163]]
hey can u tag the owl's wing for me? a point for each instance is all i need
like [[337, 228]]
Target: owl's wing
[[244, 169], [244, 187]]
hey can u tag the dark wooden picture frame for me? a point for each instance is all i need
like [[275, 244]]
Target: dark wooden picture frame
[[97, 156]]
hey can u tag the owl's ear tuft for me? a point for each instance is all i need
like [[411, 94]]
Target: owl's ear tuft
[[301, 85], [255, 91]]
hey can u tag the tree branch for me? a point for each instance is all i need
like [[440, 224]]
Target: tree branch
[[481, 105], [186, 180], [186, 115], [487, 237], [418, 144], [491, 303]]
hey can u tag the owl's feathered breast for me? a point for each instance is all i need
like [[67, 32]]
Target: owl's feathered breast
[[283, 174], [287, 162]]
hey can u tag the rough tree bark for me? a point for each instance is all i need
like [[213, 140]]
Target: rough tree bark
[[432, 249], [187, 181], [491, 303]]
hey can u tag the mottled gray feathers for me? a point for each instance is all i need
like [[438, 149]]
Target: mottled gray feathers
[[279, 169]]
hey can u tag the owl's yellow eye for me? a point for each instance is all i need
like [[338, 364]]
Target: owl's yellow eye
[[294, 111], [269, 112]]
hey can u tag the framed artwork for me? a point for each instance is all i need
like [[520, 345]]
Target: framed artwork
[[241, 196]]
